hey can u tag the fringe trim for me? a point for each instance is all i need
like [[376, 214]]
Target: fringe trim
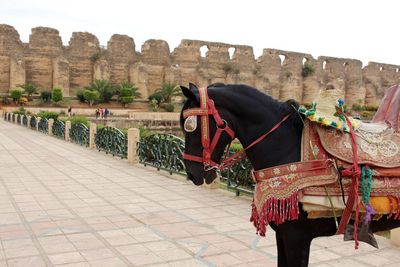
[[275, 210]]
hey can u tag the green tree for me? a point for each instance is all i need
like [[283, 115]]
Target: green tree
[[45, 96], [16, 94], [104, 88], [56, 94], [91, 96], [169, 90], [127, 93], [30, 89]]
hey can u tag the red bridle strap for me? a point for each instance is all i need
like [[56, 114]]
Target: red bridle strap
[[207, 108], [238, 156]]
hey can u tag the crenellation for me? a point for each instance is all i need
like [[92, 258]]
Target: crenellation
[[45, 41], [47, 63]]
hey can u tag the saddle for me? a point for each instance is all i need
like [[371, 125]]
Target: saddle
[[321, 142]]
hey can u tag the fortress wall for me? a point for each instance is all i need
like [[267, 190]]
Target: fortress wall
[[45, 62]]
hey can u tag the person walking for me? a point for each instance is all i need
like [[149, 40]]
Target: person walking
[[106, 113], [69, 111]]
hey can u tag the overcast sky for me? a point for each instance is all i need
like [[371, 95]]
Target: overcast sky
[[366, 30]]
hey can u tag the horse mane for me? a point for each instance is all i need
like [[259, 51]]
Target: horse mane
[[252, 97]]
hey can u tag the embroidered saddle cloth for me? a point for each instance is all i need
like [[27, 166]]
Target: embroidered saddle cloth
[[380, 149]]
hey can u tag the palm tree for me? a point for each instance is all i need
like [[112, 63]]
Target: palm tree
[[105, 89], [168, 91], [127, 92]]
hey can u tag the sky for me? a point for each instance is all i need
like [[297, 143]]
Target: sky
[[364, 30]]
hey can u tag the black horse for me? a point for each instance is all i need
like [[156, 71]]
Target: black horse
[[249, 114]]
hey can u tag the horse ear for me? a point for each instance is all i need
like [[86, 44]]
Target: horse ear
[[192, 93]]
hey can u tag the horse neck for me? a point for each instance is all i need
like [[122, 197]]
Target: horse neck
[[280, 147]]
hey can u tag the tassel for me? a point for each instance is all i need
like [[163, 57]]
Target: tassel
[[275, 210], [369, 212]]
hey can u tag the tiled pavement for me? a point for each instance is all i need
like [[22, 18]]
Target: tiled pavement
[[66, 205]]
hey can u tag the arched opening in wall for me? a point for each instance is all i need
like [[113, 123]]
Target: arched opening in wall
[[305, 60], [282, 57], [397, 69], [203, 51], [380, 68], [345, 65], [231, 51], [324, 65]]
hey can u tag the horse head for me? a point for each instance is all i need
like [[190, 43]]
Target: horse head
[[207, 133]]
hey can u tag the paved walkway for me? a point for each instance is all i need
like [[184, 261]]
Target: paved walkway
[[65, 205]]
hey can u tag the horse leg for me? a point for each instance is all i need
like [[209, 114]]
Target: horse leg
[[297, 247], [281, 250]]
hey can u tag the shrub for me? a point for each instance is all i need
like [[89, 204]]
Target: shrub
[[30, 89], [77, 120], [126, 100], [16, 94], [104, 88], [22, 100], [227, 67], [307, 70], [357, 107], [156, 97], [169, 107], [5, 100], [79, 95], [20, 111], [56, 94], [154, 105], [371, 108], [48, 115], [127, 92], [91, 96], [45, 96]]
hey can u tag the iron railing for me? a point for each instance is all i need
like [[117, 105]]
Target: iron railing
[[165, 152], [58, 129], [162, 151], [43, 125], [112, 140], [33, 122], [79, 133], [25, 120]]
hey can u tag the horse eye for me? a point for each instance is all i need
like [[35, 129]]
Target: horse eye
[[190, 124]]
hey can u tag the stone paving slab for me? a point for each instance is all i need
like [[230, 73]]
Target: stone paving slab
[[65, 205]]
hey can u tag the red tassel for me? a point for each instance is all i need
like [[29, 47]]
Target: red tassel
[[275, 210]]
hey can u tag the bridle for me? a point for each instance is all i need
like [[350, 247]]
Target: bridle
[[207, 108]]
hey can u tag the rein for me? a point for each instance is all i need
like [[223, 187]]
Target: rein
[[207, 108]]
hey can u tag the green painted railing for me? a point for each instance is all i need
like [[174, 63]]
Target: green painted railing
[[162, 151], [25, 120], [58, 129], [43, 126], [238, 177], [18, 119], [165, 152], [112, 140], [79, 133], [33, 122]]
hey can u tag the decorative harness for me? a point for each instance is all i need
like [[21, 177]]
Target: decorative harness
[[207, 108]]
